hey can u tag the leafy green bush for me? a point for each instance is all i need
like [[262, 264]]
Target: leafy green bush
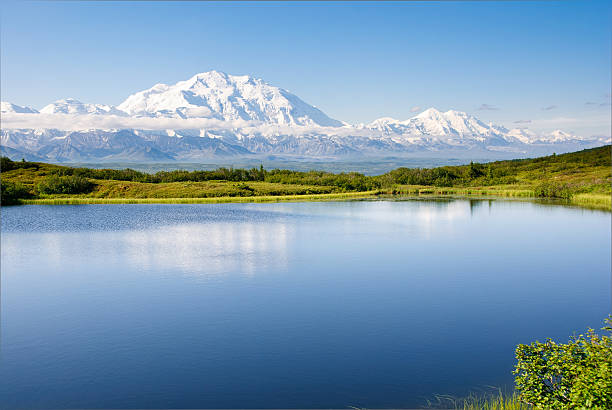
[[65, 185], [477, 170], [553, 190], [575, 375], [11, 193], [441, 176], [6, 164], [245, 190]]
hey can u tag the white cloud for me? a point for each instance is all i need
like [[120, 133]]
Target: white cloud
[[584, 125], [487, 107], [591, 125], [68, 122]]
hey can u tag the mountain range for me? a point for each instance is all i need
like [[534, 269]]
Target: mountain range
[[213, 115]]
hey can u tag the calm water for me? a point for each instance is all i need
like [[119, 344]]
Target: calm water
[[296, 305]]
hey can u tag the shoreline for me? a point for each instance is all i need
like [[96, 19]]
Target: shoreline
[[576, 179], [600, 202]]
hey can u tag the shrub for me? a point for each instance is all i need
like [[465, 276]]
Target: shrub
[[6, 164], [11, 193], [65, 185], [477, 170], [245, 190], [553, 190], [577, 374]]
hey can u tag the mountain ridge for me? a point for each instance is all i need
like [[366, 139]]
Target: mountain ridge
[[218, 95], [214, 114]]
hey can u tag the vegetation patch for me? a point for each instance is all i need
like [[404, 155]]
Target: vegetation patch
[[212, 200], [551, 189], [13, 192], [71, 184], [582, 178], [573, 375]]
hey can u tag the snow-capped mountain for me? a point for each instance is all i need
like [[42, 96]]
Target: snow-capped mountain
[[7, 107], [72, 106], [225, 97], [450, 124], [526, 136], [214, 114]]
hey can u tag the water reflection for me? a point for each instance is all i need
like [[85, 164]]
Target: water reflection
[[192, 249], [233, 306], [418, 217], [209, 249], [480, 203]]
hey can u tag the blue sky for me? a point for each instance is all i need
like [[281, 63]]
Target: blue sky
[[543, 65]]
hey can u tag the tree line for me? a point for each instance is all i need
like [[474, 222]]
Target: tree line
[[349, 181], [74, 180]]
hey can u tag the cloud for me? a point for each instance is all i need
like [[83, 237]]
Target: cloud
[[70, 122], [415, 108], [596, 104], [550, 107], [487, 107], [595, 124]]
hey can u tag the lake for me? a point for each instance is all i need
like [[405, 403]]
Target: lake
[[373, 304]]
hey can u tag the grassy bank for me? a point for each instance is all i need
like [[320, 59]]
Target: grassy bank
[[499, 402], [599, 201], [590, 201], [211, 200], [485, 401], [582, 178]]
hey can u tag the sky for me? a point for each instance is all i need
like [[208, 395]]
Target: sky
[[541, 65]]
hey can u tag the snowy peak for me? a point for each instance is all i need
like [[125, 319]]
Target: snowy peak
[[218, 95], [249, 117], [72, 106], [7, 107], [435, 123], [556, 136], [430, 114], [449, 123], [526, 136], [523, 135], [559, 135]]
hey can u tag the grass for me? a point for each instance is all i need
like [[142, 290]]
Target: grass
[[598, 201], [582, 178], [211, 200], [501, 191], [205, 189], [212, 192], [591, 201], [30, 177], [601, 201], [499, 402], [487, 401]]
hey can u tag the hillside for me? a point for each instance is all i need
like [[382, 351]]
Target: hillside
[[582, 178]]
